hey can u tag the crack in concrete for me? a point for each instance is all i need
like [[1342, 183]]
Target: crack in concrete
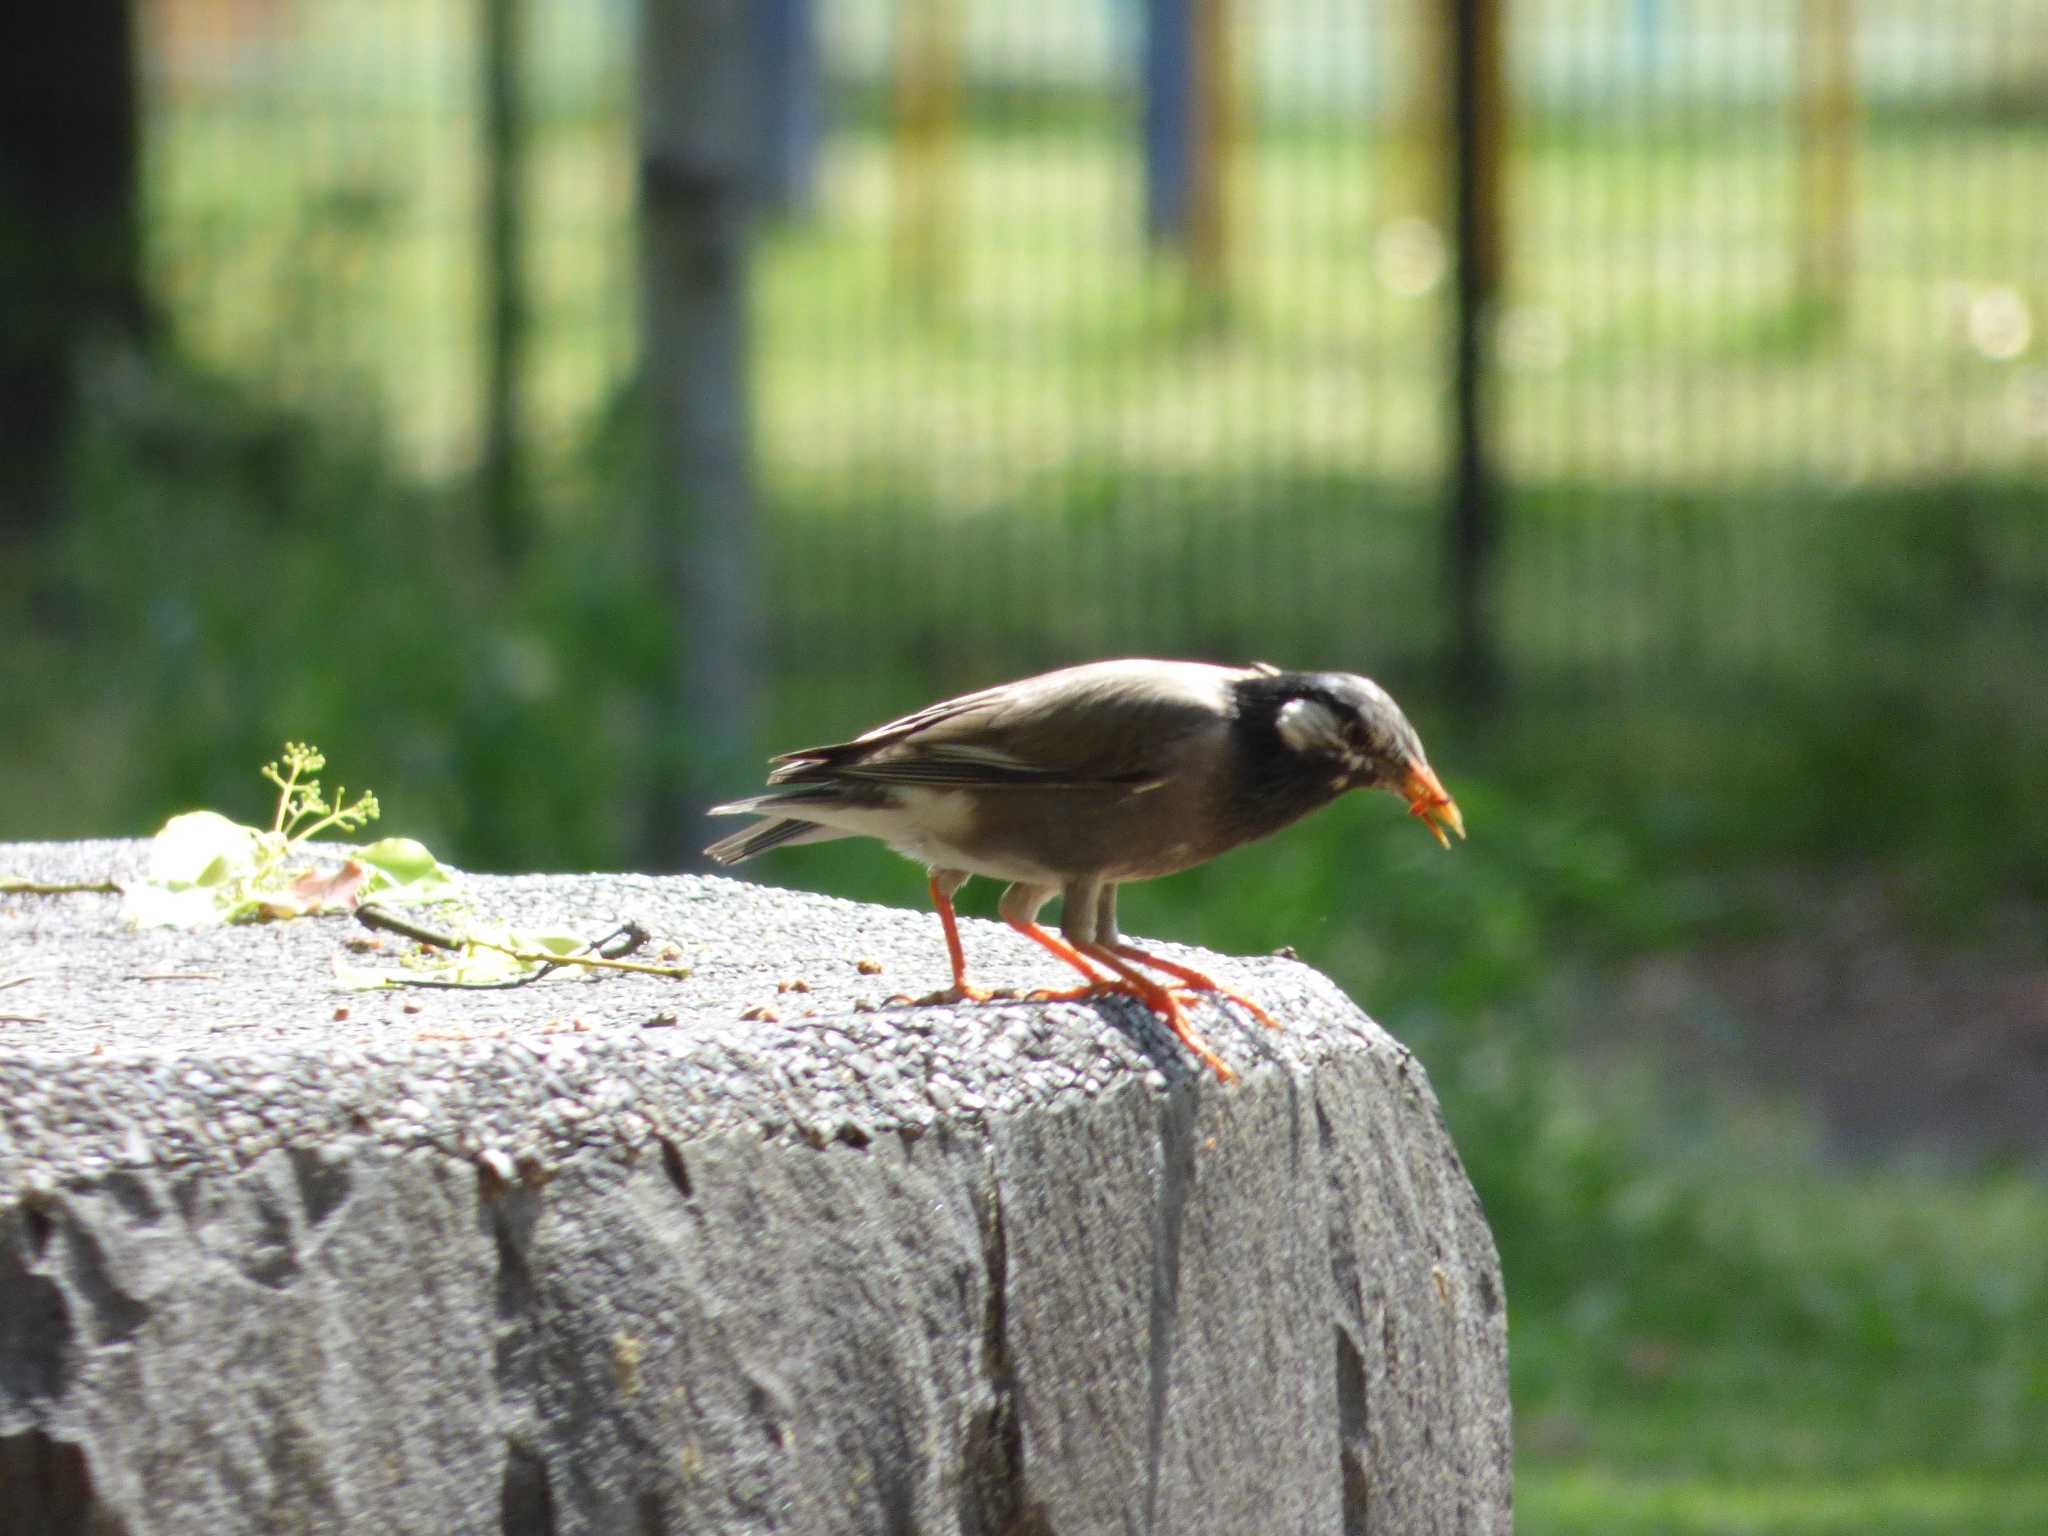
[[1176, 1176]]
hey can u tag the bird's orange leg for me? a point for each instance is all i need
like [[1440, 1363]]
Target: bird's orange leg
[[1191, 977], [1125, 980], [1072, 956], [1160, 1001], [963, 990]]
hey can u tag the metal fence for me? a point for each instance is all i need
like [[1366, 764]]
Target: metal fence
[[1090, 327]]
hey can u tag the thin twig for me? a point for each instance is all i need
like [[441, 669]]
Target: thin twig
[[548, 957], [509, 984], [175, 976], [14, 885], [374, 916], [15, 981], [22, 1018], [370, 915]]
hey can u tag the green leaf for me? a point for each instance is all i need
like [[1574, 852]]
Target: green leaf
[[407, 871], [402, 858]]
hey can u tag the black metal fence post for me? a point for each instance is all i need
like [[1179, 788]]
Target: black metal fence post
[[70, 229], [1477, 124]]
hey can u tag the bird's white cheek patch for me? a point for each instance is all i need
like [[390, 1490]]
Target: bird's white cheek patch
[[1313, 729]]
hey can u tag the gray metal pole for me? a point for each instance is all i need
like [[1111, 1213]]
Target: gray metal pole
[[501, 483], [696, 164]]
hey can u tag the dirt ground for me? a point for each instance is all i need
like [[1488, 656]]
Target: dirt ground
[[1897, 1034]]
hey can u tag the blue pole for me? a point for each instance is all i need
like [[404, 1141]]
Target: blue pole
[[1169, 76], [786, 112]]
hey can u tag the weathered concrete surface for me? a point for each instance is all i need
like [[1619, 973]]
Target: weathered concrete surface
[[602, 1256]]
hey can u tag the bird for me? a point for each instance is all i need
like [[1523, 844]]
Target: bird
[[1083, 779]]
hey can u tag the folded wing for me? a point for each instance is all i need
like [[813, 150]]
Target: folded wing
[[1110, 724]]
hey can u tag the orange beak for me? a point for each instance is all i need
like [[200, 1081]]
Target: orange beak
[[1426, 799]]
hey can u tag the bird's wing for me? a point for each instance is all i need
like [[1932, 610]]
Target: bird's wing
[[1109, 724]]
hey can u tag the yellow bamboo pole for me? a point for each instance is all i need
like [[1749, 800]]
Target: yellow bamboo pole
[[1414, 173], [1826, 184], [927, 110]]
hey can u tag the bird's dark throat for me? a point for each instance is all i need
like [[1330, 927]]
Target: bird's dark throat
[[1273, 784]]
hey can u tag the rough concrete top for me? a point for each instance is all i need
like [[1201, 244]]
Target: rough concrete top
[[125, 1047], [280, 1256]]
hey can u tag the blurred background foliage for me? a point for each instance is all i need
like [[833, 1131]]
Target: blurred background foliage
[[1101, 327]]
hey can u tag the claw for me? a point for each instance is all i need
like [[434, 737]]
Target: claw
[[1126, 981], [1194, 982], [960, 992]]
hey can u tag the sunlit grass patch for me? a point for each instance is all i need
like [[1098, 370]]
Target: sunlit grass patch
[[1563, 1500]]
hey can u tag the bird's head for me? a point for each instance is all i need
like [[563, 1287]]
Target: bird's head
[[1352, 725]]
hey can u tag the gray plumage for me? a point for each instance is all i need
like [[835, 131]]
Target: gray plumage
[[1079, 780]]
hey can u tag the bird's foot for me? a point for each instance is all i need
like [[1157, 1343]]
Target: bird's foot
[[1232, 995], [959, 992], [1079, 994], [1129, 983], [1194, 983]]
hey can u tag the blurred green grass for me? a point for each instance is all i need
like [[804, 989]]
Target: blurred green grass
[[1773, 584], [1561, 1500], [1707, 1334], [1049, 334]]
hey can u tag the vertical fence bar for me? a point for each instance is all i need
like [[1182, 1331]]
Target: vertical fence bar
[[500, 482], [696, 167], [1477, 121]]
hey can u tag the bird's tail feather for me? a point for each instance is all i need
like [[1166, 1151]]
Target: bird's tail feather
[[775, 802], [763, 835]]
